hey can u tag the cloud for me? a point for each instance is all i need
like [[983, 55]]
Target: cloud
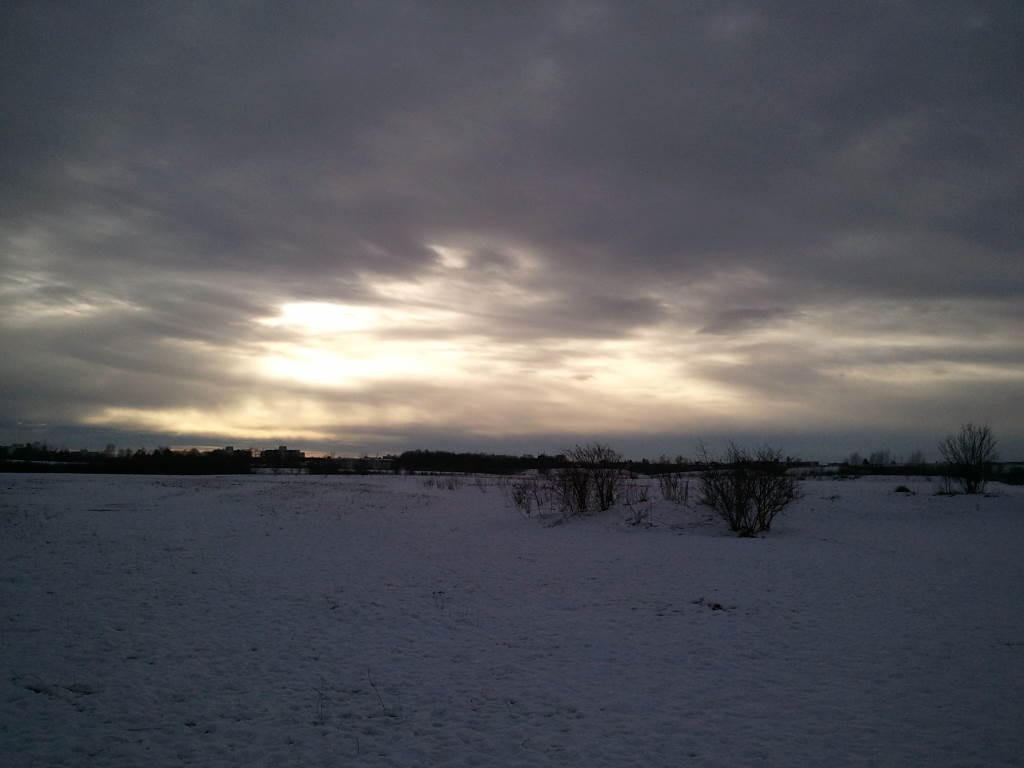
[[589, 215], [745, 318]]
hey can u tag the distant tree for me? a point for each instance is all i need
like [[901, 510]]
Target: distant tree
[[880, 458], [916, 458], [968, 454]]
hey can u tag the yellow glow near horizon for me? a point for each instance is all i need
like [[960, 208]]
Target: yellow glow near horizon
[[433, 351], [603, 384], [252, 420]]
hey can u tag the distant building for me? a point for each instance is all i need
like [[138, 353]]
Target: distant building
[[282, 456]]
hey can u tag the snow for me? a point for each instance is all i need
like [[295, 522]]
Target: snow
[[376, 621]]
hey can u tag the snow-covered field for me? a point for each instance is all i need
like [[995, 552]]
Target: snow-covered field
[[345, 621]]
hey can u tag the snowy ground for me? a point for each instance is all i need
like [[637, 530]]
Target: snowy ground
[[310, 621]]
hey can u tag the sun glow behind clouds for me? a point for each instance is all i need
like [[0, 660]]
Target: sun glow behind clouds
[[468, 369], [456, 347], [411, 338], [352, 346], [351, 364], [323, 317]]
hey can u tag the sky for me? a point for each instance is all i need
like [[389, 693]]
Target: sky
[[368, 227]]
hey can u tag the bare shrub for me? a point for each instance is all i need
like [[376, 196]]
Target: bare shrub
[[592, 480], [747, 489], [636, 499], [444, 482], [531, 494], [946, 486], [604, 466], [674, 487], [590, 483], [521, 497], [967, 455], [574, 489]]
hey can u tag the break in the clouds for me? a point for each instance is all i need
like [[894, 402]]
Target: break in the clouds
[[374, 226]]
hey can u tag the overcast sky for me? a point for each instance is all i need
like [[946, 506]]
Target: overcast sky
[[372, 226]]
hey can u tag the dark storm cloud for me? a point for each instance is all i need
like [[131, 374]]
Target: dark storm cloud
[[332, 139], [720, 169]]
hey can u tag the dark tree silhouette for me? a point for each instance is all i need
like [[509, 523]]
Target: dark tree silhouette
[[968, 454]]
